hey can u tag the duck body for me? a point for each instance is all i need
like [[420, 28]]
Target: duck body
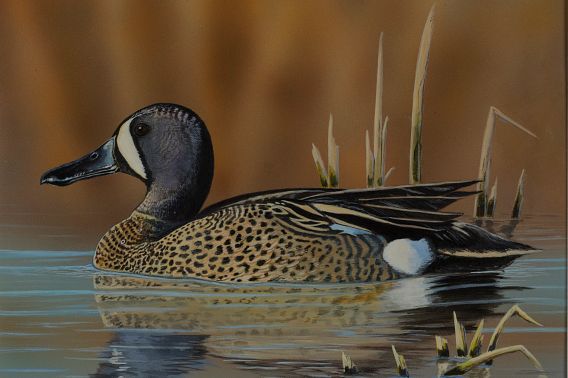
[[314, 235]]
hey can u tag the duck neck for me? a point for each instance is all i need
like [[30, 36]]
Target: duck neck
[[173, 202]]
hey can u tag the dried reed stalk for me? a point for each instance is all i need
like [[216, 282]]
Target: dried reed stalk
[[369, 161], [332, 157], [519, 197], [378, 168], [492, 202], [515, 310], [381, 181], [415, 171]]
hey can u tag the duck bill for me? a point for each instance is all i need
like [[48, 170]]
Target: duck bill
[[97, 163]]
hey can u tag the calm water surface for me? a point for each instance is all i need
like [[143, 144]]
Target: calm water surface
[[59, 317]]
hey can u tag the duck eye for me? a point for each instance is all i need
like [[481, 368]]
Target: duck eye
[[141, 129]]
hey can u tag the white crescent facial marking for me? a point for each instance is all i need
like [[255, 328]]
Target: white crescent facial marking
[[128, 149]]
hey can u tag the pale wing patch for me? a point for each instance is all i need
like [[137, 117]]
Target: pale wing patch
[[408, 256], [128, 149], [349, 229]]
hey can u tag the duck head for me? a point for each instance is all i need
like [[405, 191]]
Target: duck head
[[167, 147]]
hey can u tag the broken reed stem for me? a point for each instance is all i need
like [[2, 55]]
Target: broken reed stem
[[459, 330], [481, 200], [466, 366], [415, 171], [515, 310], [476, 341], [492, 202], [349, 366], [332, 157], [519, 197], [378, 167], [401, 367], [442, 347], [320, 167]]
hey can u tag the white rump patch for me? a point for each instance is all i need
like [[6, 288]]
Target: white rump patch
[[128, 149], [408, 256]]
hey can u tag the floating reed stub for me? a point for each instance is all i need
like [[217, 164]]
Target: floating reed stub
[[349, 366], [401, 367], [442, 347], [459, 329]]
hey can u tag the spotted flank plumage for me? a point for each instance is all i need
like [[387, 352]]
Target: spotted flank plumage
[[312, 235]]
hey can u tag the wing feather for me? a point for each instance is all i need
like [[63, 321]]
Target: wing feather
[[392, 211]]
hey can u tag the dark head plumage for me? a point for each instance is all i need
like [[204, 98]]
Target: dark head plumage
[[167, 146]]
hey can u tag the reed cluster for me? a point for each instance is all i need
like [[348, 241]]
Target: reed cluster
[[375, 148], [468, 356]]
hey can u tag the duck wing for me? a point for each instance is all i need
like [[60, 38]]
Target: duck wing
[[420, 197], [393, 212], [351, 213]]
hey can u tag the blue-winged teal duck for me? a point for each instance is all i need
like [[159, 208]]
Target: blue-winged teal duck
[[319, 234]]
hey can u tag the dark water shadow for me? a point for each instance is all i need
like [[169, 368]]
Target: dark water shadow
[[472, 296], [132, 353]]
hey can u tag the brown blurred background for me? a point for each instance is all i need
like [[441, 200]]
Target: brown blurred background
[[264, 75]]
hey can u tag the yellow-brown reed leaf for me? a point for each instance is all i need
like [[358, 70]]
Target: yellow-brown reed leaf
[[320, 167], [476, 341], [466, 366]]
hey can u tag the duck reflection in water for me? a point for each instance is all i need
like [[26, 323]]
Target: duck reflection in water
[[250, 323]]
